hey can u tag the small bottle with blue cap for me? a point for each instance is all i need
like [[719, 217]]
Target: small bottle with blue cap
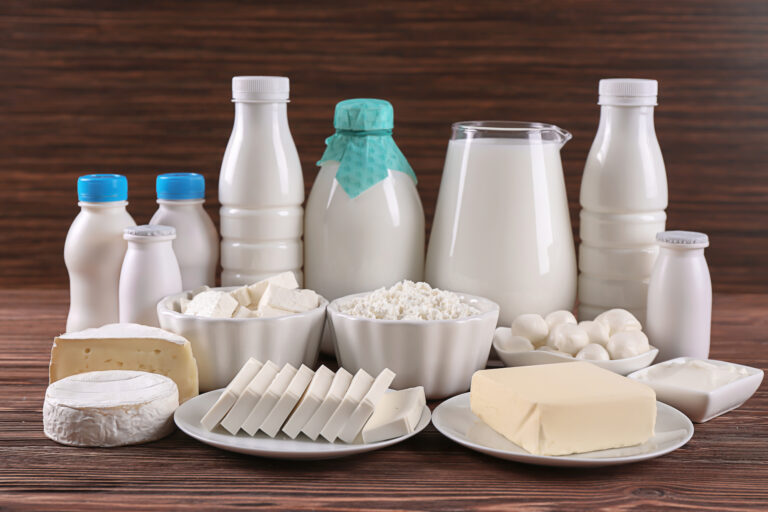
[[94, 250], [180, 198]]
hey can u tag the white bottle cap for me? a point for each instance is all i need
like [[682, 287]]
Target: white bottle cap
[[628, 92], [149, 233], [683, 239], [260, 88]]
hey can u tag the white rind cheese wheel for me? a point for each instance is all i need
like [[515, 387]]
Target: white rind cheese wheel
[[110, 408]]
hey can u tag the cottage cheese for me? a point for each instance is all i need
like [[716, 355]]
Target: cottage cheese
[[408, 301]]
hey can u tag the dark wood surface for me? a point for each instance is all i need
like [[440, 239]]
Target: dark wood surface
[[724, 466], [144, 87]]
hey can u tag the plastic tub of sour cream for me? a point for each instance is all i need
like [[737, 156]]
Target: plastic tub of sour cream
[[701, 388]]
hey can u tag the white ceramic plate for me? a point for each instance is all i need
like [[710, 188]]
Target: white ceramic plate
[[188, 415], [454, 419], [531, 357]]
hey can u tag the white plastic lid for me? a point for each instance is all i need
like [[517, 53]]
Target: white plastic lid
[[628, 91], [260, 88], [683, 239], [150, 233]]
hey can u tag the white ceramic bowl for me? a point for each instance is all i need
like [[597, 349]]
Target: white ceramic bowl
[[699, 405], [532, 357], [223, 345], [440, 355]]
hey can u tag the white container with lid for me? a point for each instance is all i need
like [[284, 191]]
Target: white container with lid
[[94, 250], [261, 187], [180, 196], [680, 297], [623, 198], [149, 273]]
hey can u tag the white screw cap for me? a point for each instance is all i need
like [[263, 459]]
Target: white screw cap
[[260, 88], [628, 91]]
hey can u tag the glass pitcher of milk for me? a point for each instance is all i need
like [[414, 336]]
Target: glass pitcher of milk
[[502, 228]]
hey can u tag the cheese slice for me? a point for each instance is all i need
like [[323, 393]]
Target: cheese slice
[[309, 403], [110, 408], [564, 408], [126, 347], [359, 386], [336, 392], [231, 393], [365, 408], [277, 416], [250, 397], [397, 414], [269, 399]]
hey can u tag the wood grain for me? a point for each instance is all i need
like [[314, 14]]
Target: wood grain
[[724, 467], [144, 87]]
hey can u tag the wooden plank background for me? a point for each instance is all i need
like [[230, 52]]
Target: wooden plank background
[[143, 87]]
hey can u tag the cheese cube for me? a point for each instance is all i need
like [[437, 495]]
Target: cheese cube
[[366, 406], [564, 408], [270, 312], [295, 301], [250, 397], [336, 392], [212, 304], [360, 385], [230, 395], [286, 280], [242, 296], [397, 414], [269, 399], [309, 403], [286, 403]]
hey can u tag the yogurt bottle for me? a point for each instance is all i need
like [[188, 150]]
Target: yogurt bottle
[[261, 187], [180, 196], [623, 198], [149, 273], [94, 250], [364, 226]]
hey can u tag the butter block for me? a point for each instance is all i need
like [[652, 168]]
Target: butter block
[[269, 399], [564, 408], [313, 397], [336, 392], [367, 405], [231, 393], [212, 304], [295, 301], [360, 385], [250, 397], [285, 279], [397, 414], [286, 403]]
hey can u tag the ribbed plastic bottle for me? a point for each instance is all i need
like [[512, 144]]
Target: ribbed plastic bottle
[[261, 187], [623, 198]]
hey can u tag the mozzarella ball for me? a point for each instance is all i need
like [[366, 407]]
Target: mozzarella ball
[[597, 332], [531, 326], [593, 352], [546, 348], [618, 320], [569, 338], [508, 342], [559, 317], [627, 344]]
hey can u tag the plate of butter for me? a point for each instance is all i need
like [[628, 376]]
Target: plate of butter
[[565, 414]]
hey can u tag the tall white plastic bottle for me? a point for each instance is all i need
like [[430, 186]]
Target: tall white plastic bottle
[[94, 250], [623, 198], [261, 187]]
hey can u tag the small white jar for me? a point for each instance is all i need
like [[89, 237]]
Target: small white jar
[[680, 297], [149, 273]]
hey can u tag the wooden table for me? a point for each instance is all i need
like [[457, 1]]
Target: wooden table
[[725, 465]]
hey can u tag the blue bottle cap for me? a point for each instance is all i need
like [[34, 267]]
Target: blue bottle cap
[[180, 185], [102, 188]]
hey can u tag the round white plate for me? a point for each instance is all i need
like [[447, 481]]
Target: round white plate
[[454, 419], [188, 415]]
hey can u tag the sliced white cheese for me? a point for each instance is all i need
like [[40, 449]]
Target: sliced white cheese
[[285, 279], [295, 301], [309, 403], [231, 393], [277, 416], [269, 399], [212, 304], [270, 312], [242, 296], [336, 392], [126, 347], [250, 397], [360, 385], [397, 414], [365, 408], [110, 408]]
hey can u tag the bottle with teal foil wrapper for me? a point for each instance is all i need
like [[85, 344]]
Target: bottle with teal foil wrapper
[[364, 223]]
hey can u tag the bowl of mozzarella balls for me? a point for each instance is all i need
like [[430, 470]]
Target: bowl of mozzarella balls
[[614, 340]]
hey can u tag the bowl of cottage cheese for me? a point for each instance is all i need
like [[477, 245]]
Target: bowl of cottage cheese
[[429, 337]]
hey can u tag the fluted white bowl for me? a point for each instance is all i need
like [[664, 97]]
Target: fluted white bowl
[[223, 345], [440, 355]]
